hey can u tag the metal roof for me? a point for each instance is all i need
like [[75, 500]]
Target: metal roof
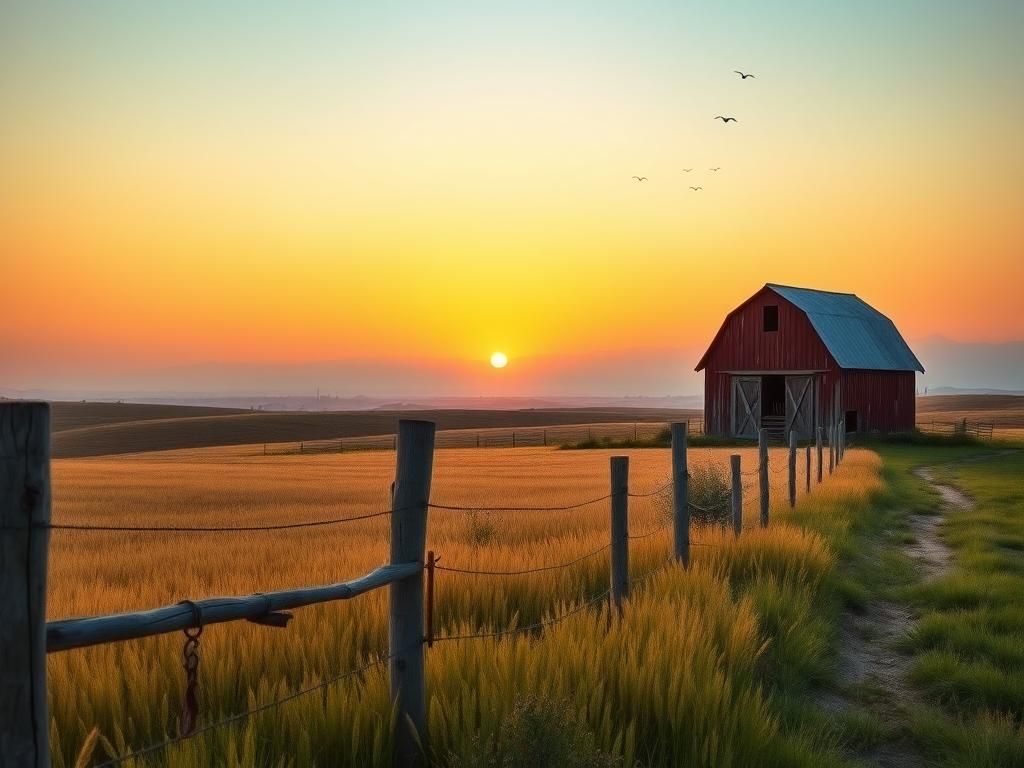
[[856, 334]]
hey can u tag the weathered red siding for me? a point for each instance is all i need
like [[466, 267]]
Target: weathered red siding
[[884, 400]]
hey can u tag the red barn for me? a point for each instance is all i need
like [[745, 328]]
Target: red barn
[[795, 358]]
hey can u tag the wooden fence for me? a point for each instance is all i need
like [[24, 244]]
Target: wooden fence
[[980, 430], [26, 637]]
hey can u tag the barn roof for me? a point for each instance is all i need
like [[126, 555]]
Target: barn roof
[[856, 334]]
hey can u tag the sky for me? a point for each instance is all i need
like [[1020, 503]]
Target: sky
[[194, 185]]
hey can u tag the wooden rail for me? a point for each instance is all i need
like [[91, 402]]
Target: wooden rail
[[66, 634]]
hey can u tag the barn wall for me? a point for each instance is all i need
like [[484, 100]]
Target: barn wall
[[884, 400], [742, 346]]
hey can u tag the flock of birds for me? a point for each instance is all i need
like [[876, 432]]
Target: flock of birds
[[725, 121]]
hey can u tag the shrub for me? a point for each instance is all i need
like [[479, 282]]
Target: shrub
[[480, 529]]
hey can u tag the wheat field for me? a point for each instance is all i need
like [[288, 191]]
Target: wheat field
[[712, 710]]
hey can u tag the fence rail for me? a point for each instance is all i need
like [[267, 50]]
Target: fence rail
[[26, 637], [981, 430]]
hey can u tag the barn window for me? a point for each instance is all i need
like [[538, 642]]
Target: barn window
[[850, 419], [771, 318]]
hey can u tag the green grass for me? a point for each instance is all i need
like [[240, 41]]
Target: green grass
[[661, 440], [968, 642]]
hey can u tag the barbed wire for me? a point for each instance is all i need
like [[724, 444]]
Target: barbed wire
[[655, 492], [649, 533], [530, 627], [243, 715], [562, 508], [471, 572], [199, 528]]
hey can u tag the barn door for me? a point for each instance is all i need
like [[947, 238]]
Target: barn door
[[800, 406], [746, 406]]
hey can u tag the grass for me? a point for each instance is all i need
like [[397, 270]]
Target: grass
[[709, 666], [967, 645]]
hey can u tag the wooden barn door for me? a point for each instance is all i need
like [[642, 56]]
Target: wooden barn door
[[746, 406], [800, 406]]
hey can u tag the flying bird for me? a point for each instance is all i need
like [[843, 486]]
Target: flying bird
[[687, 170], [725, 119], [696, 188], [640, 178], [715, 169], [741, 74]]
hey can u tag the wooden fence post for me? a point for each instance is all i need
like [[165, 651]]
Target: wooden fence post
[[832, 448], [405, 637], [808, 478], [620, 530], [792, 468], [24, 547], [762, 474], [680, 495], [818, 442], [737, 495]]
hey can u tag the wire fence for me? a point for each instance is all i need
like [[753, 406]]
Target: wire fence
[[496, 437], [556, 613]]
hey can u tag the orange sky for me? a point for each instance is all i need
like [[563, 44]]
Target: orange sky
[[219, 187]]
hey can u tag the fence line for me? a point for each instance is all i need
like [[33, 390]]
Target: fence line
[[25, 525], [491, 437]]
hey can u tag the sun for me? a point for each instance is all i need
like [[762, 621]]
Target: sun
[[499, 360]]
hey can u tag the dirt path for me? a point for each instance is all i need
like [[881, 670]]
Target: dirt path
[[871, 671]]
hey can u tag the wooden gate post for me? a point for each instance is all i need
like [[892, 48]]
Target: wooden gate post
[[792, 468], [762, 474], [24, 547], [808, 478], [737, 494], [620, 530], [818, 442], [405, 637], [680, 495]]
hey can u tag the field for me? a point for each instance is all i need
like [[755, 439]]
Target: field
[[1004, 412], [98, 429], [738, 630]]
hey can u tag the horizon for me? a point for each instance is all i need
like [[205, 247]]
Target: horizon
[[401, 192]]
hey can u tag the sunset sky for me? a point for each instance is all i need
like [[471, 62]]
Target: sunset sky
[[240, 183]]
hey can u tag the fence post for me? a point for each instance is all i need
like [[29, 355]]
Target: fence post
[[620, 530], [808, 478], [545, 438], [818, 441], [832, 448], [792, 468], [737, 494], [405, 637], [762, 473], [24, 547], [680, 495], [513, 439]]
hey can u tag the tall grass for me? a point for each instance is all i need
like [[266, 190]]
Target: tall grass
[[683, 677]]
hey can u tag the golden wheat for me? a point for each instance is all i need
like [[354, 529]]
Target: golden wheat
[[131, 691]]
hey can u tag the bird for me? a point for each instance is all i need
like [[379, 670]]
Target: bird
[[725, 119], [742, 75], [640, 178], [696, 188], [687, 170], [715, 169]]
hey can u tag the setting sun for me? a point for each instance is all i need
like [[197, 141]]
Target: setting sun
[[499, 360]]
